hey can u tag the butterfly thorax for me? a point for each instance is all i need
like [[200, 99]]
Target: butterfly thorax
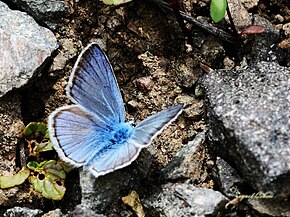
[[121, 133]]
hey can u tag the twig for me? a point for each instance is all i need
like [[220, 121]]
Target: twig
[[210, 29], [235, 32]]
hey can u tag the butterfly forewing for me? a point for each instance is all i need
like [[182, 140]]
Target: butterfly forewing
[[93, 85], [76, 133]]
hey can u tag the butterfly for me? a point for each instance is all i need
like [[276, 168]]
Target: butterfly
[[93, 133]]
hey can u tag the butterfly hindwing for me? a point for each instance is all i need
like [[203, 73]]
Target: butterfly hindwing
[[142, 136], [93, 85], [114, 159], [149, 128]]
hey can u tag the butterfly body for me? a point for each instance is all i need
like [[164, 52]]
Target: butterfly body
[[93, 132], [121, 133]]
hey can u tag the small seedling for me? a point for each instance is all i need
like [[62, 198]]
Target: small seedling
[[218, 9], [46, 176]]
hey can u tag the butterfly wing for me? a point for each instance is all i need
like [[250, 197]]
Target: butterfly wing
[[81, 133], [75, 133], [80, 139], [142, 136], [149, 128], [93, 85], [114, 159]]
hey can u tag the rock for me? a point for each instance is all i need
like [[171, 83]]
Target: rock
[[68, 51], [248, 117], [99, 194], [270, 206], [195, 107], [186, 72], [22, 211], [239, 13], [249, 4], [185, 164], [229, 180], [264, 46], [182, 199], [55, 213], [11, 127], [25, 47], [81, 211], [286, 28], [48, 12], [144, 83]]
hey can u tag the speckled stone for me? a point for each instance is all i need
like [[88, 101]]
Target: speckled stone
[[24, 48], [22, 211], [49, 12], [181, 199], [187, 164], [11, 127], [249, 122]]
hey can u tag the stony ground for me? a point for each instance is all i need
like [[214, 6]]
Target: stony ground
[[156, 67]]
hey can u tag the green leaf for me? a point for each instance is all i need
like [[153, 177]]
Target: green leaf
[[42, 164], [37, 137], [32, 165], [34, 127], [49, 189], [218, 9], [45, 146], [66, 166], [49, 179], [17, 179], [115, 2], [54, 168]]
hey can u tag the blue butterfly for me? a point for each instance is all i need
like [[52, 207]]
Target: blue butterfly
[[93, 132]]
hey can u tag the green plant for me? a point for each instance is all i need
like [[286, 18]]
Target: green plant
[[47, 176], [218, 9], [17, 179]]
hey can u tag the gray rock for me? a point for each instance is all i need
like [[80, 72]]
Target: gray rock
[[48, 12], [264, 46], [241, 17], [55, 213], [24, 48], [185, 164], [229, 179], [82, 211], [11, 127], [183, 199], [98, 194], [270, 206], [22, 211], [248, 117]]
